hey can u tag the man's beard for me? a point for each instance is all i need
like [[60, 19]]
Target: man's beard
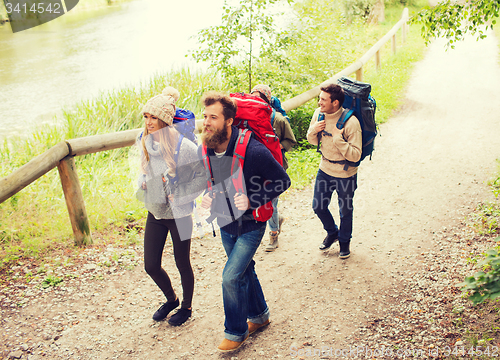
[[216, 138]]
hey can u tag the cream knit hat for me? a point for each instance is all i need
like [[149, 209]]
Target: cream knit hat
[[163, 106]]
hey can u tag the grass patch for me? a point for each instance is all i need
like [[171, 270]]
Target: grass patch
[[486, 218], [302, 167]]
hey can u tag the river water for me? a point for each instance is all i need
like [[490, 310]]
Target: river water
[[76, 56]]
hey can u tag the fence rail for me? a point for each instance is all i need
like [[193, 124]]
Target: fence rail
[[62, 155]]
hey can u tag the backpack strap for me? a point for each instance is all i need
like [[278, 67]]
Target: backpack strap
[[346, 115], [321, 117], [210, 181], [240, 149], [272, 117], [174, 179]]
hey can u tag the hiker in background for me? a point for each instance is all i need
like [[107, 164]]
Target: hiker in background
[[286, 137], [169, 204], [241, 234], [333, 174]]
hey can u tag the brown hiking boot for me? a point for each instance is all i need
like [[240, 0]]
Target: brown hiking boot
[[273, 236], [273, 241], [252, 327], [229, 345]]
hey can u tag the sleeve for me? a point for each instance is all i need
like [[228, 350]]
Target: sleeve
[[312, 136], [350, 144], [288, 138], [141, 179]]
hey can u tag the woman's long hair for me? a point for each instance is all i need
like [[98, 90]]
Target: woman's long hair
[[168, 138]]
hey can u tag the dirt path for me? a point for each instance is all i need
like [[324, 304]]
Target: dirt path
[[429, 169]]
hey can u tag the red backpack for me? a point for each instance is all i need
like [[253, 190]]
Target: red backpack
[[253, 114]]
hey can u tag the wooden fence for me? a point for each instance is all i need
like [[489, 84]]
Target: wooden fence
[[62, 155]]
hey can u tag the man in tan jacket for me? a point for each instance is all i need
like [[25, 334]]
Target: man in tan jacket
[[340, 150]]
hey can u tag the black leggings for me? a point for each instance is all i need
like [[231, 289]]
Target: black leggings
[[154, 242]]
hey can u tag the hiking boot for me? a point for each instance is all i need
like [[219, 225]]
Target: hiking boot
[[329, 240], [180, 317], [273, 238], [273, 241], [344, 250], [253, 327], [229, 345], [165, 309], [280, 222]]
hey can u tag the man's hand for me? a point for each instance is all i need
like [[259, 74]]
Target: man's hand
[[144, 185], [241, 202], [319, 126], [206, 201]]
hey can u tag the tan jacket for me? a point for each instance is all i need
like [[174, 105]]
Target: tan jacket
[[345, 144], [284, 132]]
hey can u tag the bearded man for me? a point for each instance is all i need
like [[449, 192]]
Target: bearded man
[[245, 307]]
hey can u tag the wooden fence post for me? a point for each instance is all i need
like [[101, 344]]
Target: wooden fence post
[[403, 30], [74, 201], [359, 74], [378, 64], [393, 44]]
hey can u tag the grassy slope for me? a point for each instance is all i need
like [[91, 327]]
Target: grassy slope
[[388, 87]]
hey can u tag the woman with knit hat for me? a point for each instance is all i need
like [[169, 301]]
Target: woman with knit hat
[[169, 203]]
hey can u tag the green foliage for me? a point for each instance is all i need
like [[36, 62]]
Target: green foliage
[[302, 167], [300, 119], [495, 182], [486, 218], [230, 44], [484, 285], [51, 281], [453, 20], [358, 9]]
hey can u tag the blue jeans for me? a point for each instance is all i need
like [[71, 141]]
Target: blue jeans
[[241, 290], [274, 220], [323, 190]]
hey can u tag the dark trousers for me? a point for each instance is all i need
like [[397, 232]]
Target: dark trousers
[[154, 242], [323, 190]]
